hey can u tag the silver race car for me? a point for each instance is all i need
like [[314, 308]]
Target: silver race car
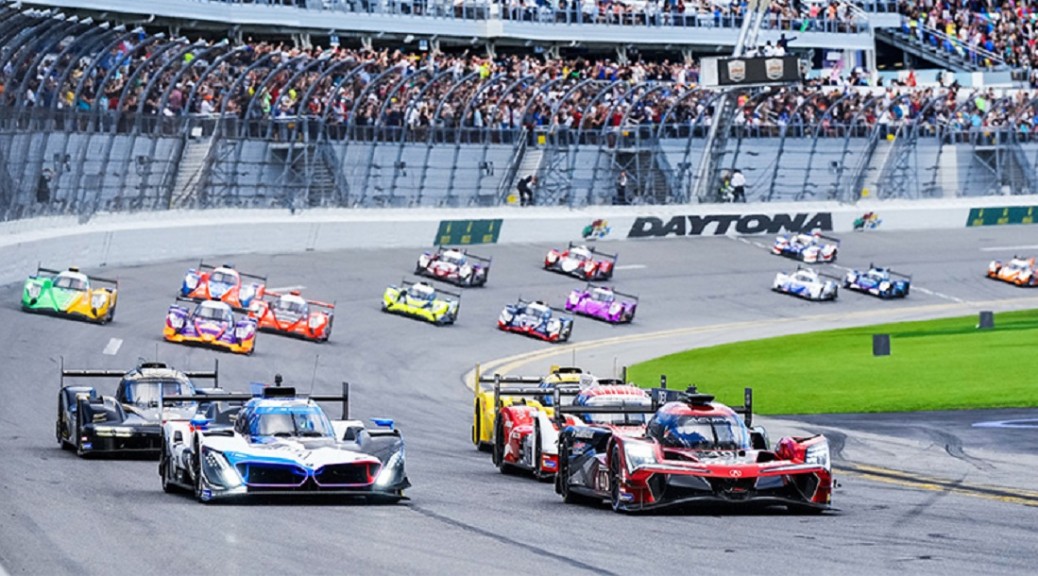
[[807, 283]]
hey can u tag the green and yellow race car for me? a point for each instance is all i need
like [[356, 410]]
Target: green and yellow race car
[[70, 293], [423, 301]]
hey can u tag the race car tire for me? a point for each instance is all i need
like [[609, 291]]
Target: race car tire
[[614, 479], [499, 448], [80, 449], [476, 421], [537, 453], [562, 481], [328, 330], [196, 463], [165, 471]]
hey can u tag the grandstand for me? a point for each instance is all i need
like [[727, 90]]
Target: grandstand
[[206, 103]]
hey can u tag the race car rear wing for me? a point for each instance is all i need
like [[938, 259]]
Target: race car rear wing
[[829, 238], [595, 251], [96, 279], [590, 286], [523, 302], [485, 260], [268, 392], [405, 284], [821, 273], [214, 374], [893, 272], [204, 266], [516, 387], [268, 295]]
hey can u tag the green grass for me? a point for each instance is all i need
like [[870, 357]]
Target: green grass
[[934, 365]]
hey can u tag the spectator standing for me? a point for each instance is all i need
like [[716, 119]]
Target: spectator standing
[[621, 188], [526, 190], [738, 186]]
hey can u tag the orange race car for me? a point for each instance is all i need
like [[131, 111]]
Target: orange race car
[[223, 283], [292, 315], [1019, 271]]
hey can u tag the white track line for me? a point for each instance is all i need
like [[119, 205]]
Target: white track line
[[629, 267], [286, 288], [113, 346], [1009, 248]]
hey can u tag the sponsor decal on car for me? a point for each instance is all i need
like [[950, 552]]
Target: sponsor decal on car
[[720, 224], [1000, 216]]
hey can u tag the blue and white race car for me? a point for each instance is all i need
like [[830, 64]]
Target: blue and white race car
[[878, 281], [281, 444], [807, 283], [811, 248], [535, 319]]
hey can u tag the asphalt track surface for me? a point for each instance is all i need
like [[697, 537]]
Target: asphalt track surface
[[63, 515]]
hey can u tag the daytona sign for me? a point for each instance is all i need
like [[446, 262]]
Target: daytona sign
[[653, 227]]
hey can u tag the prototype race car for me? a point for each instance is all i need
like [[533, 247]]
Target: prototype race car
[[487, 402], [807, 283], [526, 435], [579, 260], [423, 301], [603, 303], [128, 422], [69, 293], [454, 266], [691, 451], [535, 319], [878, 281], [810, 248], [213, 324], [292, 315], [282, 443], [1019, 271], [223, 283]]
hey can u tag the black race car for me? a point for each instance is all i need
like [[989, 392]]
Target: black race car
[[128, 422]]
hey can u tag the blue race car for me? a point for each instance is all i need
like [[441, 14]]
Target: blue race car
[[535, 319], [878, 281]]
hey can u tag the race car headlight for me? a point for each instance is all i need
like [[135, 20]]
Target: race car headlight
[[615, 308], [243, 332], [315, 321], [218, 470], [175, 320], [423, 260], [191, 281], [247, 291], [554, 325], [506, 316], [465, 271], [639, 454], [34, 290], [98, 300], [818, 455], [392, 472], [884, 285]]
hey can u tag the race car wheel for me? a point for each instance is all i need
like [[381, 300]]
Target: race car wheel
[[537, 455], [499, 447], [562, 480], [614, 479], [196, 465], [165, 471], [328, 330], [80, 449]]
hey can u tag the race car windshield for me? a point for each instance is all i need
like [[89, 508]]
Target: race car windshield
[[453, 258], [538, 310], [150, 392], [1017, 266], [579, 254], [290, 306], [421, 293], [703, 433], [602, 296], [213, 313], [296, 421], [223, 278], [877, 275], [70, 283]]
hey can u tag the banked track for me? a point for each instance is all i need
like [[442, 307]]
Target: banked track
[[60, 514]]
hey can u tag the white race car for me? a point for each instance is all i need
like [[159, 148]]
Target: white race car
[[807, 283], [281, 444]]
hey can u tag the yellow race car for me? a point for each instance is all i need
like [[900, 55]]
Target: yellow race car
[[486, 405], [421, 300], [71, 293]]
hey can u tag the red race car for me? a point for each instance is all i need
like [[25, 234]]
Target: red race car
[[691, 451], [526, 434], [579, 260], [292, 315], [223, 283]]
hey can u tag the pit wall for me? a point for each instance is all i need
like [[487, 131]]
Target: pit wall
[[129, 239]]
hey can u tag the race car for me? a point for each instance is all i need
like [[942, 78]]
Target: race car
[[455, 266], [603, 303], [487, 402], [211, 323], [69, 293], [1019, 271], [535, 319], [223, 283], [128, 422], [811, 248], [579, 260], [423, 301], [526, 435], [878, 281], [692, 450], [282, 443], [807, 283], [292, 315]]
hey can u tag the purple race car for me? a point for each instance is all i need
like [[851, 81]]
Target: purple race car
[[603, 303], [211, 323]]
